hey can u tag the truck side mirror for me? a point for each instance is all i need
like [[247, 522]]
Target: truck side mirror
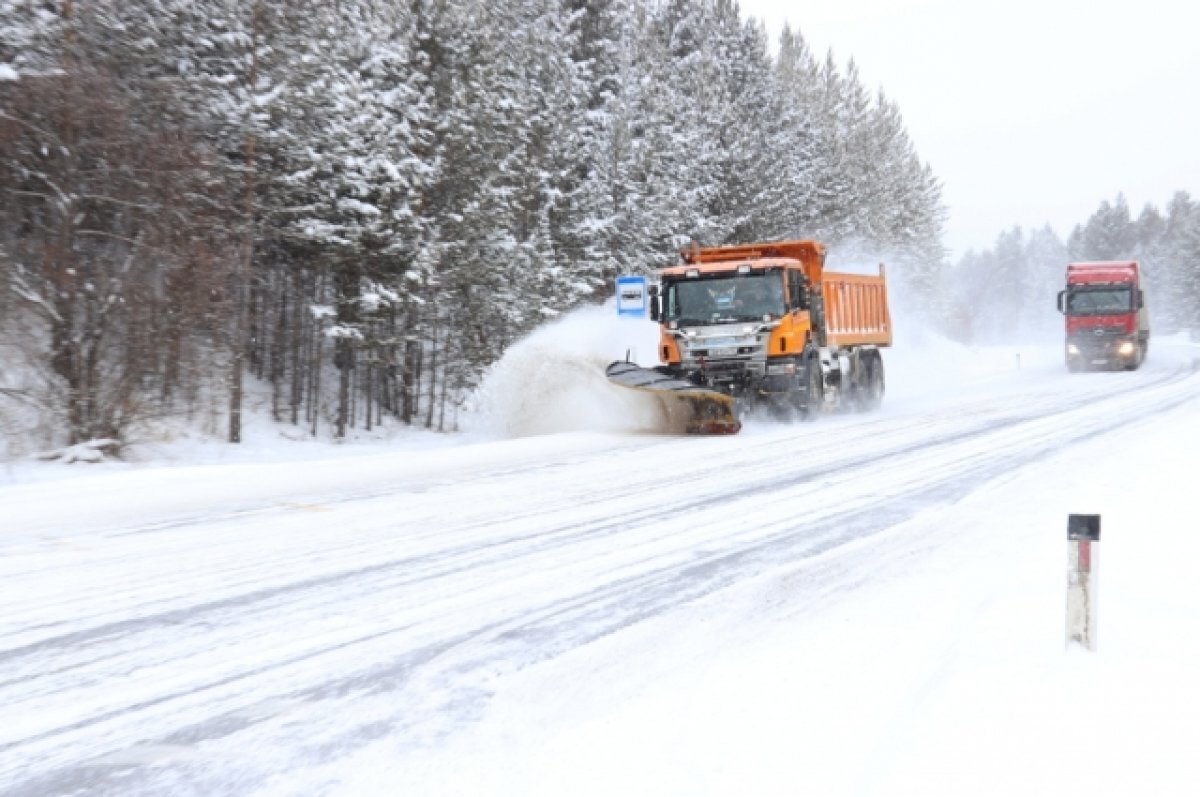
[[1141, 299], [655, 312], [803, 298], [1062, 295]]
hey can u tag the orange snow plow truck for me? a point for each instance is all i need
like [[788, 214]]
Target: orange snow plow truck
[[765, 325]]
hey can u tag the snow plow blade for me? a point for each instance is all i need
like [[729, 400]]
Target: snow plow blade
[[688, 407]]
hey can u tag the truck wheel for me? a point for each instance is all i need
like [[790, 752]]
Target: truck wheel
[[814, 393], [857, 387], [872, 394]]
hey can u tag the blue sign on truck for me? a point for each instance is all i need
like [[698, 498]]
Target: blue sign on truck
[[631, 296]]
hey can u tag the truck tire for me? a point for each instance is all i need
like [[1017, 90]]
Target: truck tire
[[814, 392], [872, 393], [857, 384]]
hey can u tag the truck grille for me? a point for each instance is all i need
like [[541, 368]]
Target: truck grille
[[1083, 336]]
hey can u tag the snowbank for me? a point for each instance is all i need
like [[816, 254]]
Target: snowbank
[[553, 380]]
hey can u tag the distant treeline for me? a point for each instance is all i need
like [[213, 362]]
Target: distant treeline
[[1008, 292], [361, 204]]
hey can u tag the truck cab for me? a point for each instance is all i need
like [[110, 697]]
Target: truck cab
[[1107, 325]]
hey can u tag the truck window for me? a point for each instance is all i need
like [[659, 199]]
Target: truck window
[[721, 299], [797, 296], [1099, 301]]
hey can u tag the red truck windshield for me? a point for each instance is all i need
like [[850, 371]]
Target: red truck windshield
[[1099, 301]]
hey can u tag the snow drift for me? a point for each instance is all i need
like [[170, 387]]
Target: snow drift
[[553, 380]]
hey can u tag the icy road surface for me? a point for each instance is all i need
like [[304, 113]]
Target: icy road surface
[[245, 629]]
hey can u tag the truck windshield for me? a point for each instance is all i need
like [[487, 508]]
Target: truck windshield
[[1099, 301], [746, 297]]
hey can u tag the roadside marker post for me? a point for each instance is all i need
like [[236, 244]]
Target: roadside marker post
[[1083, 558]]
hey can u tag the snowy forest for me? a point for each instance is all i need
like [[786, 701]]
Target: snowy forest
[[352, 208], [362, 203]]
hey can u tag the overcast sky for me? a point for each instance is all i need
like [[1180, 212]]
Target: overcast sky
[[1030, 111]]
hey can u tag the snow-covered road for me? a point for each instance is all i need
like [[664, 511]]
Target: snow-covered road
[[226, 629]]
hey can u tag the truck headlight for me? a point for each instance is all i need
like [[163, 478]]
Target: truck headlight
[[1072, 348], [1126, 347]]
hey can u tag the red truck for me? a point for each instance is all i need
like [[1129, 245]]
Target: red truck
[[1105, 308]]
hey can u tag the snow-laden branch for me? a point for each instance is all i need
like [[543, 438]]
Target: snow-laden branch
[[63, 198], [30, 126], [114, 237], [22, 289], [121, 202], [344, 332]]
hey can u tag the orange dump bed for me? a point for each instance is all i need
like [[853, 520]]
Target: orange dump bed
[[856, 309]]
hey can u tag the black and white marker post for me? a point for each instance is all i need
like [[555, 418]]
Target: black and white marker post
[[1083, 555]]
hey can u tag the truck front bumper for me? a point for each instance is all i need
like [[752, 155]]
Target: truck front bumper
[[1087, 352], [747, 376]]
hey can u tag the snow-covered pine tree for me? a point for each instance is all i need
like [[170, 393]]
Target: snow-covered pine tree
[[588, 239], [800, 143], [1045, 265], [352, 179], [1005, 300], [833, 204], [1109, 234], [748, 123], [1176, 280], [675, 149], [1149, 229], [907, 208]]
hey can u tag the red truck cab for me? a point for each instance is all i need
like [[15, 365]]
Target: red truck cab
[[1106, 320]]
